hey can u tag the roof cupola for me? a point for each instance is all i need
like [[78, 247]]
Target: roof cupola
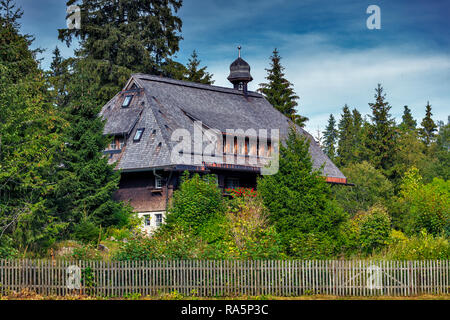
[[240, 73]]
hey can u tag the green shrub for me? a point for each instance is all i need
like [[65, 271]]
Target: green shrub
[[165, 244], [247, 232], [375, 229], [419, 247], [425, 206], [86, 231], [196, 202], [365, 232]]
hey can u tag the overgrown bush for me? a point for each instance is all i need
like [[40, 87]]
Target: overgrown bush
[[198, 200], [248, 234], [375, 229], [7, 251], [418, 247], [425, 206], [366, 232], [86, 231], [173, 244]]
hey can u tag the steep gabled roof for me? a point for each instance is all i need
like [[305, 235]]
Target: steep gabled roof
[[164, 105]]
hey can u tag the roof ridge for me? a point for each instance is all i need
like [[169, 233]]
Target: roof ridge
[[143, 76]]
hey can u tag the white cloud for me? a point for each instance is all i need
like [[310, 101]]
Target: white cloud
[[326, 77]]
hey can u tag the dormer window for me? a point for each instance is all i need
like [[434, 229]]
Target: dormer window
[[127, 101], [138, 135], [113, 145]]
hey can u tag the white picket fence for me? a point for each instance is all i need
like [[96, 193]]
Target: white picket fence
[[227, 277]]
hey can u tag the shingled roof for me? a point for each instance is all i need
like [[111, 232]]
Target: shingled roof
[[162, 105]]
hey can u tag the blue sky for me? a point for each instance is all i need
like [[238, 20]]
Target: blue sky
[[329, 54]]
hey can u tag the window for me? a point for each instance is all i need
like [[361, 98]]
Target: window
[[158, 147], [127, 101], [232, 183], [153, 135], [158, 219], [113, 145], [147, 220], [138, 135], [121, 143], [158, 182]]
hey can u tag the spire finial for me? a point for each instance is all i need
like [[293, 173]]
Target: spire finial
[[239, 48]]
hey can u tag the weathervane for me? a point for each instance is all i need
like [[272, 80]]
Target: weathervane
[[239, 48]]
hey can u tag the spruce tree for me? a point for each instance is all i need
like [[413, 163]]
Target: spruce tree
[[279, 92], [330, 138], [345, 138], [123, 37], [300, 204], [83, 195], [196, 74], [381, 134], [429, 127], [30, 140], [408, 122], [59, 77]]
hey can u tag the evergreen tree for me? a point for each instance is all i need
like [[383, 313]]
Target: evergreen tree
[[30, 139], [381, 135], [330, 138], [279, 92], [345, 140], [429, 127], [299, 202], [196, 74], [357, 136], [59, 76], [408, 122], [85, 182], [11, 14], [121, 37]]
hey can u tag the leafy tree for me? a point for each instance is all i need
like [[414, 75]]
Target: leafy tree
[[299, 202], [411, 152], [442, 151], [279, 92], [196, 74], [425, 206], [330, 138], [408, 122], [429, 128], [381, 136], [371, 187], [121, 37], [375, 229]]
